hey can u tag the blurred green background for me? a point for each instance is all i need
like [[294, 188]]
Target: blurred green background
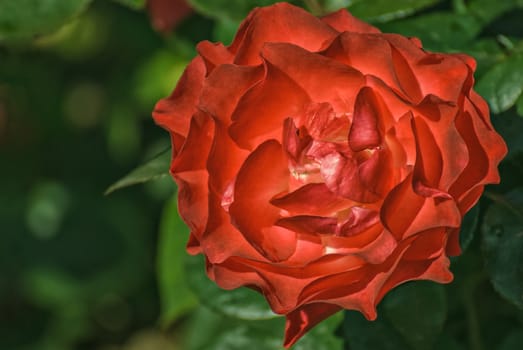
[[80, 270], [77, 268]]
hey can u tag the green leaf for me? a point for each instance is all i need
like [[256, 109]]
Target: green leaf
[[322, 336], [502, 85], [387, 10], [487, 53], [361, 334], [176, 297], [519, 106], [24, 19], [166, 68], [134, 4], [225, 333], [417, 310], [242, 303], [439, 31], [224, 30], [334, 5], [469, 227], [509, 126], [250, 336], [155, 168], [228, 9], [487, 10], [503, 243], [445, 342], [49, 287], [513, 341]]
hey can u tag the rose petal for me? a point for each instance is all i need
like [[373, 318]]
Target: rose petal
[[434, 270], [359, 219], [194, 151], [486, 149], [394, 103], [309, 224], [342, 177], [469, 61], [323, 79], [365, 132], [324, 201], [453, 246], [401, 145], [301, 320], [371, 173], [192, 200], [478, 163], [406, 213], [371, 55], [400, 208], [427, 245], [439, 117], [406, 76], [251, 212], [282, 283], [435, 212], [437, 74], [188, 168], [343, 21], [261, 111], [221, 240], [224, 87], [324, 124], [213, 54], [281, 22], [174, 112], [429, 162], [357, 289], [374, 245], [294, 140], [224, 161]]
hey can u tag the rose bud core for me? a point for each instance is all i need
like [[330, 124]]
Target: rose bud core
[[322, 162]]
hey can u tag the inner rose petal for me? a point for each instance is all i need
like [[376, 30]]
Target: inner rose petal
[[251, 211]]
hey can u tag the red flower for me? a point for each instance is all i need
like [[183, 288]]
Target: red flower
[[166, 14], [322, 162]]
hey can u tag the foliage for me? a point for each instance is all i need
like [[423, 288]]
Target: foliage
[[78, 80]]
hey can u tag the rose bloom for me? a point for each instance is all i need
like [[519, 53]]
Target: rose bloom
[[322, 162]]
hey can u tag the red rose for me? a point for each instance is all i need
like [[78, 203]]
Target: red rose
[[166, 14], [322, 162]]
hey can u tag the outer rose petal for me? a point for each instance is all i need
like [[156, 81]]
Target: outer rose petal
[[188, 168], [221, 240], [174, 112], [214, 54], [224, 87], [437, 74], [303, 319], [278, 23], [343, 21], [370, 54], [339, 83]]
